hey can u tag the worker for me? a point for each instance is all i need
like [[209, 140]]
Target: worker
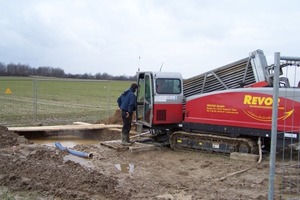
[[127, 104]]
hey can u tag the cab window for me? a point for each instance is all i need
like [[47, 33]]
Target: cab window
[[168, 86]]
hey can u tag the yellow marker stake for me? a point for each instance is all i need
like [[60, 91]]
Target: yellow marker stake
[[7, 91]]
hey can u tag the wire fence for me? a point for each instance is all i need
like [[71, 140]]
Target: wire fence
[[55, 101], [284, 176]]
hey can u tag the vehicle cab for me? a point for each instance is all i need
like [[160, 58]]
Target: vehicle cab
[[159, 99]]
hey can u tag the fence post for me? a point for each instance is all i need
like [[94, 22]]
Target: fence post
[[108, 98], [274, 125], [34, 100]]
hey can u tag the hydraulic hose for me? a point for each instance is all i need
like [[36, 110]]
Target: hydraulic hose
[[73, 152], [60, 147], [80, 154], [259, 150]]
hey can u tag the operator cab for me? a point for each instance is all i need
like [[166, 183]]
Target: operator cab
[[159, 99]]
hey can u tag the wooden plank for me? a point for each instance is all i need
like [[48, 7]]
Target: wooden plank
[[81, 123], [63, 127], [134, 148], [115, 144]]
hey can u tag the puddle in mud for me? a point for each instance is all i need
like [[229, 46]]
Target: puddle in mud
[[65, 140], [70, 139], [125, 168], [82, 161]]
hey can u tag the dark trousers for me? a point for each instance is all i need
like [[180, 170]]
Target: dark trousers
[[126, 126]]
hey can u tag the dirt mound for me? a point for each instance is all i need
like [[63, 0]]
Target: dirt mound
[[115, 119], [10, 139], [42, 169], [7, 139]]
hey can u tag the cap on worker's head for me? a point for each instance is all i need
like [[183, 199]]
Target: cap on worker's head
[[134, 86]]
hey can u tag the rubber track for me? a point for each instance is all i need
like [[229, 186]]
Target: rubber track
[[209, 137]]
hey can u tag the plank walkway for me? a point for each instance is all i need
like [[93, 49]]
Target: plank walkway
[[134, 148], [64, 127]]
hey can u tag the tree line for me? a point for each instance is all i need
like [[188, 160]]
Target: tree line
[[26, 70]]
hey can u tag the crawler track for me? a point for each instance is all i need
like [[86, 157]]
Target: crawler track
[[181, 140]]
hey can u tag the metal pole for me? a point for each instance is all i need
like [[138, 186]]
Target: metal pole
[[108, 99], [34, 100], [274, 125], [289, 58]]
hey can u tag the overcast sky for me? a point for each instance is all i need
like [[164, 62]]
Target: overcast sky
[[120, 36]]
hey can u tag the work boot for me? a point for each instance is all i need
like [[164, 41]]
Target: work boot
[[124, 139], [127, 139]]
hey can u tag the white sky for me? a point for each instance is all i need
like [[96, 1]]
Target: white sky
[[187, 36]]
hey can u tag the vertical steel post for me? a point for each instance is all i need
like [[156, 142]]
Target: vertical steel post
[[108, 99], [274, 125], [34, 100]]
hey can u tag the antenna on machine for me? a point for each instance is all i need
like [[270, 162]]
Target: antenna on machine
[[139, 63], [161, 66]]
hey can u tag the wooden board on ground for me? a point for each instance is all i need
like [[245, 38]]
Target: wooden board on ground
[[135, 147], [81, 123], [115, 144], [64, 127]]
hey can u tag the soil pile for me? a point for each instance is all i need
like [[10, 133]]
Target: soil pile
[[115, 119], [42, 170], [7, 139]]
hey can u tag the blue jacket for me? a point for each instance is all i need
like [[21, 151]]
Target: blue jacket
[[127, 101]]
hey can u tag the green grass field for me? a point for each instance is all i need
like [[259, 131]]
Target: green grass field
[[38, 100]]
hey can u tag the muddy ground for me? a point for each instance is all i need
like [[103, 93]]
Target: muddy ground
[[30, 171]]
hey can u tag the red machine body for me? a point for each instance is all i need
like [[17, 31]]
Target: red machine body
[[245, 108], [167, 113], [226, 109]]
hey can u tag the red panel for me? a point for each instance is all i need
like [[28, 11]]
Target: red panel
[[243, 109], [173, 113], [258, 84]]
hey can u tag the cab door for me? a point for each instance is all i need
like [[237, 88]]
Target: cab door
[[144, 110]]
